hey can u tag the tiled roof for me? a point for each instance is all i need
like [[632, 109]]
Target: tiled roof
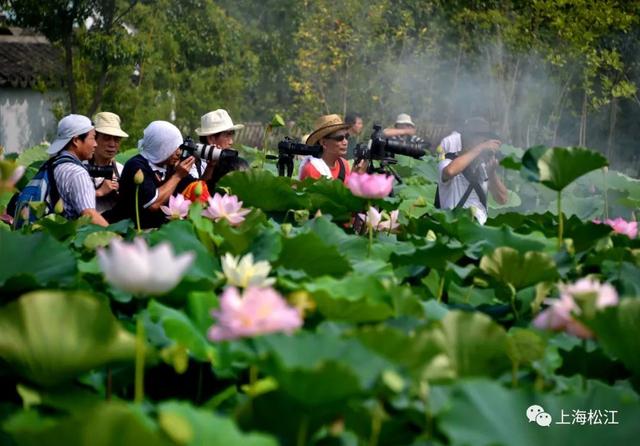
[[26, 59]]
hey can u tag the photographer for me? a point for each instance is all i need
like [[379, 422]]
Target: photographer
[[468, 175], [404, 131], [70, 182], [330, 133], [216, 129], [154, 174], [108, 137]]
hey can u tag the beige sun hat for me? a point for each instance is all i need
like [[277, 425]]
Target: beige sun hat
[[215, 122], [326, 125], [109, 124], [404, 118]]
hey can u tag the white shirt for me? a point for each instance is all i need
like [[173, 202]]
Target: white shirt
[[452, 191], [75, 187], [450, 144]]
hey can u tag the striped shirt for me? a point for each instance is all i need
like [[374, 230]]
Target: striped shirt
[[75, 187]]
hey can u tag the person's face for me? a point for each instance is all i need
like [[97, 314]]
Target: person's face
[[84, 149], [336, 143], [404, 126], [107, 145], [224, 140], [173, 159], [357, 126]]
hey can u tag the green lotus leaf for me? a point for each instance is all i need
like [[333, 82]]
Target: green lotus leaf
[[190, 426], [333, 197], [33, 260], [49, 336], [313, 255], [180, 329], [107, 424], [261, 189], [524, 346], [482, 412], [489, 238], [317, 369], [506, 265], [354, 298], [558, 167], [618, 331]]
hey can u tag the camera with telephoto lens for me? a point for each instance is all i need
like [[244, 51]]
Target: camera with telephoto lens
[[380, 147], [205, 152], [290, 146], [100, 171]]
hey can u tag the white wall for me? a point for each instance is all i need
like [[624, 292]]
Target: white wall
[[25, 118]]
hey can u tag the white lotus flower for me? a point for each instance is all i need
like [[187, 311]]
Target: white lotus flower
[[243, 272], [138, 269]]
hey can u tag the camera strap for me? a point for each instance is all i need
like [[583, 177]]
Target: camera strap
[[473, 185]]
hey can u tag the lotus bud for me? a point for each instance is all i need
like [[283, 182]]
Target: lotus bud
[[138, 178], [59, 207], [197, 191]]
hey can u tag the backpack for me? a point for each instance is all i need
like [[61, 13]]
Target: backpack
[[41, 188], [473, 185]]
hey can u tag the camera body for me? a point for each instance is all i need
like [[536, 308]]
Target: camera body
[[380, 147], [100, 171], [205, 152], [290, 146]]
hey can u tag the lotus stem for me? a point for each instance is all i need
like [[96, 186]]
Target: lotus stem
[[109, 384], [302, 431], [370, 228], [440, 289], [140, 347], [514, 374], [560, 222], [376, 425], [606, 194], [138, 209]]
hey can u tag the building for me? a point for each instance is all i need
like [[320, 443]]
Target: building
[[31, 71]]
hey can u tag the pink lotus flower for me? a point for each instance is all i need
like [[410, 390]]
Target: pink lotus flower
[[560, 315], [370, 185], [621, 226], [258, 311], [381, 221], [138, 269], [227, 207], [178, 207]]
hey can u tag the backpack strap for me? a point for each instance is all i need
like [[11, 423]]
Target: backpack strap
[[342, 173], [474, 185]]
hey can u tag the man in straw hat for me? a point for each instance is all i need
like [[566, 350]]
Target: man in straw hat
[[330, 132], [466, 176], [404, 130], [216, 129], [152, 176], [108, 137]]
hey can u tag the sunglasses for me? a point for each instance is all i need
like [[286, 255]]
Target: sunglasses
[[338, 138]]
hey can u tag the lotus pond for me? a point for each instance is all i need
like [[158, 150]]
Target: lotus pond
[[285, 327]]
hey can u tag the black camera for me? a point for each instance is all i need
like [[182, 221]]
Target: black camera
[[380, 147], [204, 151], [100, 171], [290, 146]]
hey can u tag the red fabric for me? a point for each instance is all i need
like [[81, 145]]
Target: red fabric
[[308, 171], [189, 192]]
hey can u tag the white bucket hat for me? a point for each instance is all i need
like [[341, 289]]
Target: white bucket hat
[[404, 118], [68, 127], [216, 121], [109, 124], [159, 141]]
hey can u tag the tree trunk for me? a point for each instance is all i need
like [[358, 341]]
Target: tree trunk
[[68, 65], [582, 140], [97, 97], [508, 101], [613, 117]]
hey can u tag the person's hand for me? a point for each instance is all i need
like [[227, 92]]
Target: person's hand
[[184, 166], [361, 167], [492, 164], [107, 187], [492, 145]]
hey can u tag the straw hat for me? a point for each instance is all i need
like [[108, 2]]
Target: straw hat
[[404, 118], [326, 125], [216, 121], [108, 124]]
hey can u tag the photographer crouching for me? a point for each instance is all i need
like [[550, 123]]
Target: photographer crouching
[[468, 175], [154, 174]]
